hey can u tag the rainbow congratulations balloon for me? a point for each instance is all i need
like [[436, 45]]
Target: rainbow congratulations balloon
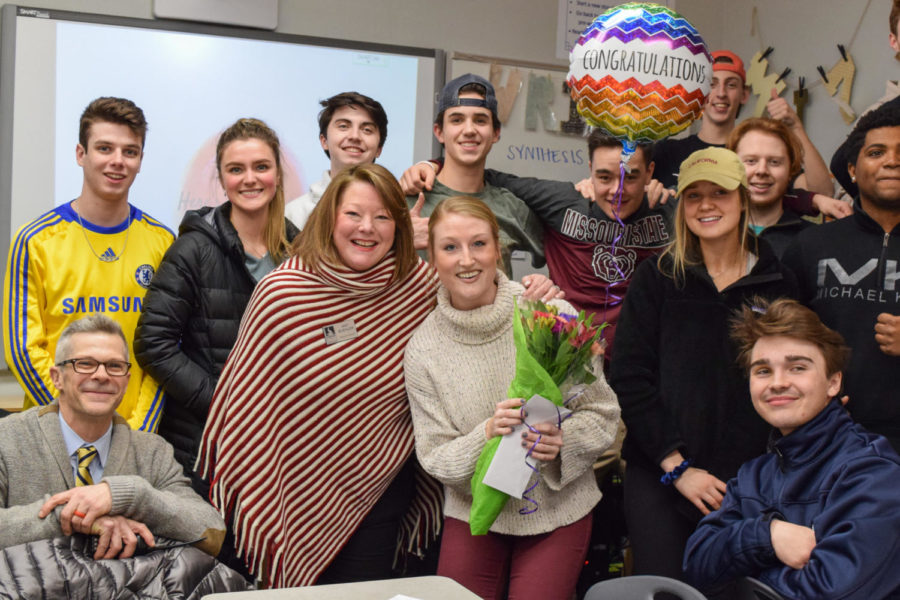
[[640, 71]]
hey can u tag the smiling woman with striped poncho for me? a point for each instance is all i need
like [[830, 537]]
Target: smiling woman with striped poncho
[[309, 437]]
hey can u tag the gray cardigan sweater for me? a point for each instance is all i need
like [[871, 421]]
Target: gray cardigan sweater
[[146, 483], [458, 366]]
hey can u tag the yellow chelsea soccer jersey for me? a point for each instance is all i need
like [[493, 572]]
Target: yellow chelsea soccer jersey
[[61, 269]]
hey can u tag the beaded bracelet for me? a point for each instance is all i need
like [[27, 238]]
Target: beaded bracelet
[[670, 477]]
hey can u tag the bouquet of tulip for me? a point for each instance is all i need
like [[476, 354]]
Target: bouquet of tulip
[[554, 359]]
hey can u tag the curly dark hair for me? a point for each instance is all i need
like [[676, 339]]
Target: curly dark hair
[[884, 116]]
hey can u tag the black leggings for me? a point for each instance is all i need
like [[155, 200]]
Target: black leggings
[[369, 553], [657, 528]]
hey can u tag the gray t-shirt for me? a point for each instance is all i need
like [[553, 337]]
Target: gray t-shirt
[[520, 229], [259, 267]]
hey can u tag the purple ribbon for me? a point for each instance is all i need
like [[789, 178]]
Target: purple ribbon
[[525, 496]]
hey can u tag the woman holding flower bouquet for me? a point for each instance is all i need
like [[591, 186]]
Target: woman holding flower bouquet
[[459, 365], [308, 445], [684, 399]]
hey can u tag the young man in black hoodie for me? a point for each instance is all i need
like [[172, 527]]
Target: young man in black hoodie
[[848, 273]]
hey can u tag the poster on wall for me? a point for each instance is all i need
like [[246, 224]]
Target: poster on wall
[[573, 18], [541, 134]]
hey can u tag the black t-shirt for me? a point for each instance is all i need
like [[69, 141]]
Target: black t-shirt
[[669, 154]]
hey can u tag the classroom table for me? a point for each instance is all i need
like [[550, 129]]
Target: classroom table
[[417, 588]]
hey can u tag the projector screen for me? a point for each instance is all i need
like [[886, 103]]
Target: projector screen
[[192, 81]]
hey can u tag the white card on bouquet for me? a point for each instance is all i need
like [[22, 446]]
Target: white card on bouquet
[[509, 472]]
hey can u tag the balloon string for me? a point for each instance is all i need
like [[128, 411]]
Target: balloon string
[[617, 206]]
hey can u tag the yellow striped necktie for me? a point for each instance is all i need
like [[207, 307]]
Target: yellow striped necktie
[[85, 455]]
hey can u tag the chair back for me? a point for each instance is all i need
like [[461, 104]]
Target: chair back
[[641, 587], [750, 588]]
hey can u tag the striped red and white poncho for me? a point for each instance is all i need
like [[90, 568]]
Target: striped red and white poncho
[[302, 437]]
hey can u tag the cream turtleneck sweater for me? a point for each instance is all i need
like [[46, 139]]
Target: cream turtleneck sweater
[[458, 365]]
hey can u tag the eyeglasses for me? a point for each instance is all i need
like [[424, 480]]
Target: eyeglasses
[[89, 366]]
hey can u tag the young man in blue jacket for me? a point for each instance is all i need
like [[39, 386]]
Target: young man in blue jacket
[[818, 516]]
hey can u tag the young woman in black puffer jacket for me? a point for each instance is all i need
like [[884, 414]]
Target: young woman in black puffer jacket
[[193, 309]]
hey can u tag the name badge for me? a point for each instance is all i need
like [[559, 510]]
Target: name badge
[[340, 332]]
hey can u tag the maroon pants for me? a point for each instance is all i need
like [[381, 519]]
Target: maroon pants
[[542, 566]]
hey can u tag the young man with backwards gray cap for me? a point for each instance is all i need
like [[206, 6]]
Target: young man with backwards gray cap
[[467, 126]]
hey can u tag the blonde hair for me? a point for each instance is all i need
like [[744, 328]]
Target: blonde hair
[[463, 205], [684, 251], [315, 244], [247, 129]]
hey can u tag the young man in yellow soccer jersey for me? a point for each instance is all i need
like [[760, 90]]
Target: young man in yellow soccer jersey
[[95, 254]]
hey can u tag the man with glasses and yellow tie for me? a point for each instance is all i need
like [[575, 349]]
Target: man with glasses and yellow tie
[[75, 466]]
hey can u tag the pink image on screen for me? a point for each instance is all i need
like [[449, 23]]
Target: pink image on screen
[[201, 182]]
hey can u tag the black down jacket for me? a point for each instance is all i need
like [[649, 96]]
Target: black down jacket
[[190, 320], [62, 568]]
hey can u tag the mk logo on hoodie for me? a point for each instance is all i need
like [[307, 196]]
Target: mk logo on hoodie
[[848, 280]]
